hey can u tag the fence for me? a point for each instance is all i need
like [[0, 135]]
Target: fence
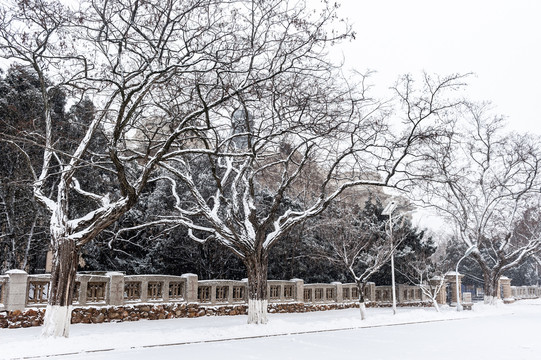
[[3, 281], [525, 292], [18, 291]]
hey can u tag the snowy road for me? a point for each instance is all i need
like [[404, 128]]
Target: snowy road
[[505, 332]]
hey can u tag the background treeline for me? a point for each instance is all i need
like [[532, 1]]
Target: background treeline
[[24, 230]]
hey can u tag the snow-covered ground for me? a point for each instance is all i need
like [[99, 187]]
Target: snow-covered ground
[[502, 332]]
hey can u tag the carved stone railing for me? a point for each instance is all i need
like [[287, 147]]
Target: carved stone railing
[[152, 288], [37, 290], [525, 292], [383, 294], [285, 291], [221, 292], [320, 293], [18, 291], [3, 281], [408, 293]]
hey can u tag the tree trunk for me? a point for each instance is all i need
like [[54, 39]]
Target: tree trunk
[[64, 268], [435, 303], [491, 288], [256, 266], [432, 293], [362, 304]]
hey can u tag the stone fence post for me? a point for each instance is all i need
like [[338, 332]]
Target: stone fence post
[[400, 293], [116, 288], [191, 288], [299, 290], [451, 279], [505, 285], [339, 291], [370, 291], [442, 294], [15, 298]]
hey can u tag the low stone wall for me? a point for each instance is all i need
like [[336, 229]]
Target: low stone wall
[[97, 315], [113, 296], [20, 319]]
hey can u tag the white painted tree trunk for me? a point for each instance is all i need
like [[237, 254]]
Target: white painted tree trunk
[[362, 307], [435, 303], [257, 311], [57, 321], [490, 300]]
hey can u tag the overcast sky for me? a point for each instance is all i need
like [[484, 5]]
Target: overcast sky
[[499, 41]]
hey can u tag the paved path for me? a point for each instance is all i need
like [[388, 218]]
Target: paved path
[[511, 336]]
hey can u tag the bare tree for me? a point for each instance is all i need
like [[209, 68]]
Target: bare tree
[[427, 270], [487, 183], [356, 240], [23, 226], [154, 71], [20, 225], [294, 146]]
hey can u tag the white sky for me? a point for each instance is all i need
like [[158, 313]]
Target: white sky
[[499, 41]]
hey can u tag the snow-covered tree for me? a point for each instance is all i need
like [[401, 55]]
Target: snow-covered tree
[[23, 232], [154, 71], [157, 250], [295, 145], [356, 239], [487, 182], [427, 270]]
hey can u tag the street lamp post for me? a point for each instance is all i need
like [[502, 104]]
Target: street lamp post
[[468, 252], [388, 211]]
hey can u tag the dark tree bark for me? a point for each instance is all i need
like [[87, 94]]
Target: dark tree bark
[[256, 268], [362, 305], [62, 287], [65, 260]]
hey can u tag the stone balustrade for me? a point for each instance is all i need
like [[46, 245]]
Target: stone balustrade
[[221, 292], [408, 293], [525, 292], [19, 291], [3, 281], [113, 296]]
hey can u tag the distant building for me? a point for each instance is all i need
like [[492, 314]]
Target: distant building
[[242, 124]]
